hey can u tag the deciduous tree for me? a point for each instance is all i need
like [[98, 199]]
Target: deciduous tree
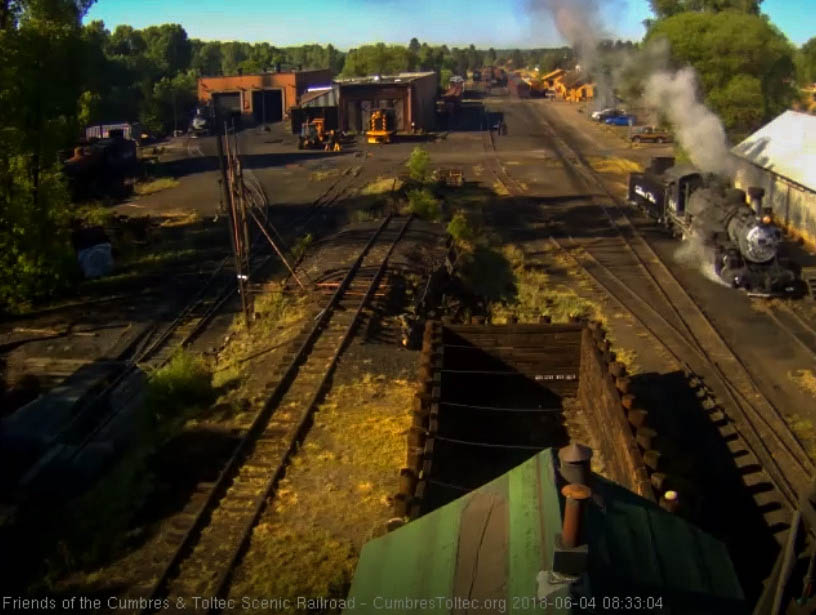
[[806, 63], [741, 60], [669, 8]]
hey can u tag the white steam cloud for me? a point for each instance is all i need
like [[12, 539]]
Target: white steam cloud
[[694, 253], [672, 93], [581, 24], [698, 129]]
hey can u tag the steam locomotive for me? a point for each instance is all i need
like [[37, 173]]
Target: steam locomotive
[[741, 242]]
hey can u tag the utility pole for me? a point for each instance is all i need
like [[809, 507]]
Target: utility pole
[[239, 250]]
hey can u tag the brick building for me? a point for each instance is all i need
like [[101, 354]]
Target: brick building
[[348, 104], [263, 97]]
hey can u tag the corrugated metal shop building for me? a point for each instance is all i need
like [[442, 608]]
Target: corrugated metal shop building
[[263, 97], [501, 548], [318, 102], [781, 158], [412, 96]]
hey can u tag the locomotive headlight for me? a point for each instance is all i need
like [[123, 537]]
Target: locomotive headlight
[[758, 243], [766, 219]]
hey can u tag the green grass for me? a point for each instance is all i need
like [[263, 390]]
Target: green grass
[[178, 389], [155, 185]]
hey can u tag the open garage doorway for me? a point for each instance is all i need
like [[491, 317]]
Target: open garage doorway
[[267, 106]]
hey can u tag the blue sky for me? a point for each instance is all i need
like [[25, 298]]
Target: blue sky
[[348, 23]]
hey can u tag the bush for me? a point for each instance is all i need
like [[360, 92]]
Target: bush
[[423, 204], [94, 213], [36, 259], [488, 274], [460, 229], [419, 165], [181, 386]]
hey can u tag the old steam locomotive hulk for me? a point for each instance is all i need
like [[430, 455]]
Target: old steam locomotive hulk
[[741, 241]]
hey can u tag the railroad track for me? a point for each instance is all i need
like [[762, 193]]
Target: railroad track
[[150, 351], [797, 328], [202, 545], [752, 423], [153, 349], [158, 344]]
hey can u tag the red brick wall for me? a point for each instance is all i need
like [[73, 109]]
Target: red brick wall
[[292, 84]]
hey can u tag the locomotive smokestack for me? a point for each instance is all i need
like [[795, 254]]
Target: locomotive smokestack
[[755, 194]]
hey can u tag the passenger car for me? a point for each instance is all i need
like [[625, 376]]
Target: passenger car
[[600, 116], [620, 120]]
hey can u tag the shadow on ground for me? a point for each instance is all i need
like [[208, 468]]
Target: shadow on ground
[[722, 506]]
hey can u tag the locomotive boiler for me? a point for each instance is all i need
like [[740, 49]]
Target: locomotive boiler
[[739, 240]]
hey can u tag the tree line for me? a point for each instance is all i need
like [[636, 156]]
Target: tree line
[[151, 74], [749, 72]]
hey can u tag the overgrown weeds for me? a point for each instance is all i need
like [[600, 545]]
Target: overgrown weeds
[[517, 289], [461, 229], [382, 185], [424, 204], [154, 185], [805, 379], [180, 388], [301, 245]]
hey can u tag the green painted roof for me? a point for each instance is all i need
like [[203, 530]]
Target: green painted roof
[[491, 545]]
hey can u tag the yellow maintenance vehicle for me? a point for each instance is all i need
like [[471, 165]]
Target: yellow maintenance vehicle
[[313, 135], [382, 126]]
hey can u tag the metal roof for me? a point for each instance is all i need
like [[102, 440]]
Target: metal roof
[[786, 146], [324, 97], [493, 542], [384, 79]]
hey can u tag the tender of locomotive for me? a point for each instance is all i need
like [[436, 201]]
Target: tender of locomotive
[[742, 240]]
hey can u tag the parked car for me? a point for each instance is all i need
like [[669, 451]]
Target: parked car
[[620, 120], [650, 134], [600, 116]]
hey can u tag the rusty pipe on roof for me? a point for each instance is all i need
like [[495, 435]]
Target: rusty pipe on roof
[[576, 495]]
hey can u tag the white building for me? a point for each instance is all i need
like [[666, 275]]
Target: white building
[[781, 158]]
